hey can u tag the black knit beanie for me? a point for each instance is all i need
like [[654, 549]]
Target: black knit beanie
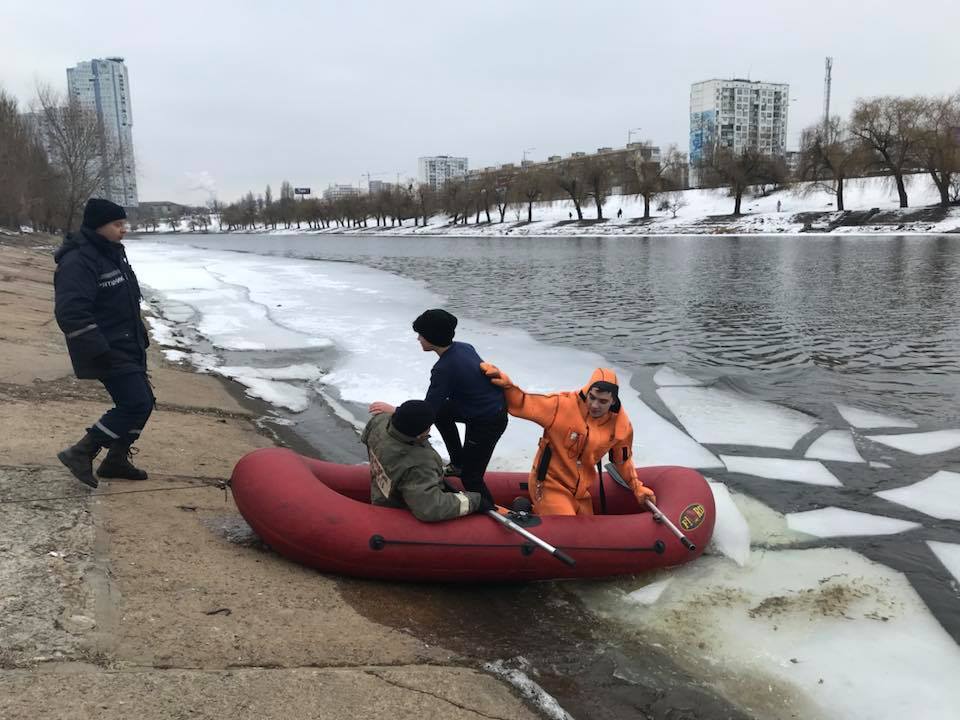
[[413, 417], [436, 326], [98, 212]]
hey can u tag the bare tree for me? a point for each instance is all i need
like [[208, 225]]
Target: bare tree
[[569, 178], [528, 188], [598, 178], [889, 127], [939, 142], [79, 150], [424, 198], [654, 176], [829, 155], [674, 201], [736, 169]]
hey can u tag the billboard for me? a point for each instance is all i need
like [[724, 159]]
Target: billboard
[[301, 191]]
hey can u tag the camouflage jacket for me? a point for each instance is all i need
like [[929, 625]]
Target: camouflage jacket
[[405, 472]]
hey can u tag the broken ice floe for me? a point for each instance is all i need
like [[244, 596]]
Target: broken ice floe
[[838, 522], [925, 443], [805, 471], [867, 419], [937, 496], [834, 445]]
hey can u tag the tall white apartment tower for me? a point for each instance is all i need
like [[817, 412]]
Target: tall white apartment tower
[[435, 171], [104, 87], [737, 114]]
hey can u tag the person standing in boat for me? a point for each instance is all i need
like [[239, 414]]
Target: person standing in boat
[[459, 392], [579, 428], [405, 471]]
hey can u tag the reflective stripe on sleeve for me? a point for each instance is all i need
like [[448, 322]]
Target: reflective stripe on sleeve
[[81, 331], [464, 503], [108, 275]]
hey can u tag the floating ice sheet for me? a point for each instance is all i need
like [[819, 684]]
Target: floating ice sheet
[[937, 496], [805, 471], [868, 419], [731, 536], [925, 443], [668, 376], [837, 522], [649, 594], [834, 445], [949, 555], [802, 633], [723, 417], [264, 302], [768, 528]]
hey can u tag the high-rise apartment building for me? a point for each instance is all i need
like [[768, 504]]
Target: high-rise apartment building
[[737, 114], [102, 86], [435, 171]]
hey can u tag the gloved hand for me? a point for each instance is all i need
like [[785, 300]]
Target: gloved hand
[[647, 494], [486, 505], [496, 376]]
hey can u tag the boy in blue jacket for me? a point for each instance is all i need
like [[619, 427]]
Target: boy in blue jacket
[[459, 392]]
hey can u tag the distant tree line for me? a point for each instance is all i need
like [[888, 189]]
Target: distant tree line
[[481, 197], [52, 160]]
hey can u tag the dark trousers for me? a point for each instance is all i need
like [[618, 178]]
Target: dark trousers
[[133, 400], [480, 438]]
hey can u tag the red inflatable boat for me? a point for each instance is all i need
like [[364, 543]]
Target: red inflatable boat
[[319, 514]]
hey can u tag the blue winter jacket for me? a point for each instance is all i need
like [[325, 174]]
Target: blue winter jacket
[[98, 307]]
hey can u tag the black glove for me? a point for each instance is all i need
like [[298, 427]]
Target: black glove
[[486, 504]]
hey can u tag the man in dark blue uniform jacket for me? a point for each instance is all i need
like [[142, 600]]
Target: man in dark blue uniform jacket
[[459, 392], [98, 309]]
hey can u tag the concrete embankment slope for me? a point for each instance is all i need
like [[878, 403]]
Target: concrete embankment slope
[[127, 602]]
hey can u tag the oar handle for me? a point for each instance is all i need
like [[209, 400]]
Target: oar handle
[[542, 544], [660, 517]]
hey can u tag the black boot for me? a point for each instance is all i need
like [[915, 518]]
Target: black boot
[[117, 463], [79, 459]]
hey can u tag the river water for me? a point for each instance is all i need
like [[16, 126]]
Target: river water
[[807, 323]]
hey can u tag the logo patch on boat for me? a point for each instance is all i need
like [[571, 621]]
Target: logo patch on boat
[[692, 516]]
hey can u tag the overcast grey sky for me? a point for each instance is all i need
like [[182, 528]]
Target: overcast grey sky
[[235, 95]]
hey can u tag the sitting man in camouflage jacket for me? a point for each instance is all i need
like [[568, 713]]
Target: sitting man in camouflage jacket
[[405, 471]]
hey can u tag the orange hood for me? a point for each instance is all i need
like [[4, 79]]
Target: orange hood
[[603, 375]]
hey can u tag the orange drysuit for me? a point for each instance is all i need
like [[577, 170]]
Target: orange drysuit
[[573, 443]]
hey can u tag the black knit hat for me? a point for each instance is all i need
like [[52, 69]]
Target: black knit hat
[[413, 417], [436, 326], [99, 212]]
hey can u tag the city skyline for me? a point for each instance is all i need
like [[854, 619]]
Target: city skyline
[[242, 96]]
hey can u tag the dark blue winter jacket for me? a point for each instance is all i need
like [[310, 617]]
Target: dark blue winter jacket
[[98, 307], [457, 377]]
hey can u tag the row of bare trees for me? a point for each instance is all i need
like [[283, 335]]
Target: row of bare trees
[[893, 136], [482, 197], [52, 160]]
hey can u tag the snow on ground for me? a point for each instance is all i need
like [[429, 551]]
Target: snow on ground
[[937, 496], [837, 522]]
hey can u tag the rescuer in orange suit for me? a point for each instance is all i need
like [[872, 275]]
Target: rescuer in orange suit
[[579, 428]]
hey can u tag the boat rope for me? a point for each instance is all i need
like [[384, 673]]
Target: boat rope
[[219, 484]]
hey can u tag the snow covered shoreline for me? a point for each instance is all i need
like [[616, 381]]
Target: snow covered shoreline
[[872, 208]]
